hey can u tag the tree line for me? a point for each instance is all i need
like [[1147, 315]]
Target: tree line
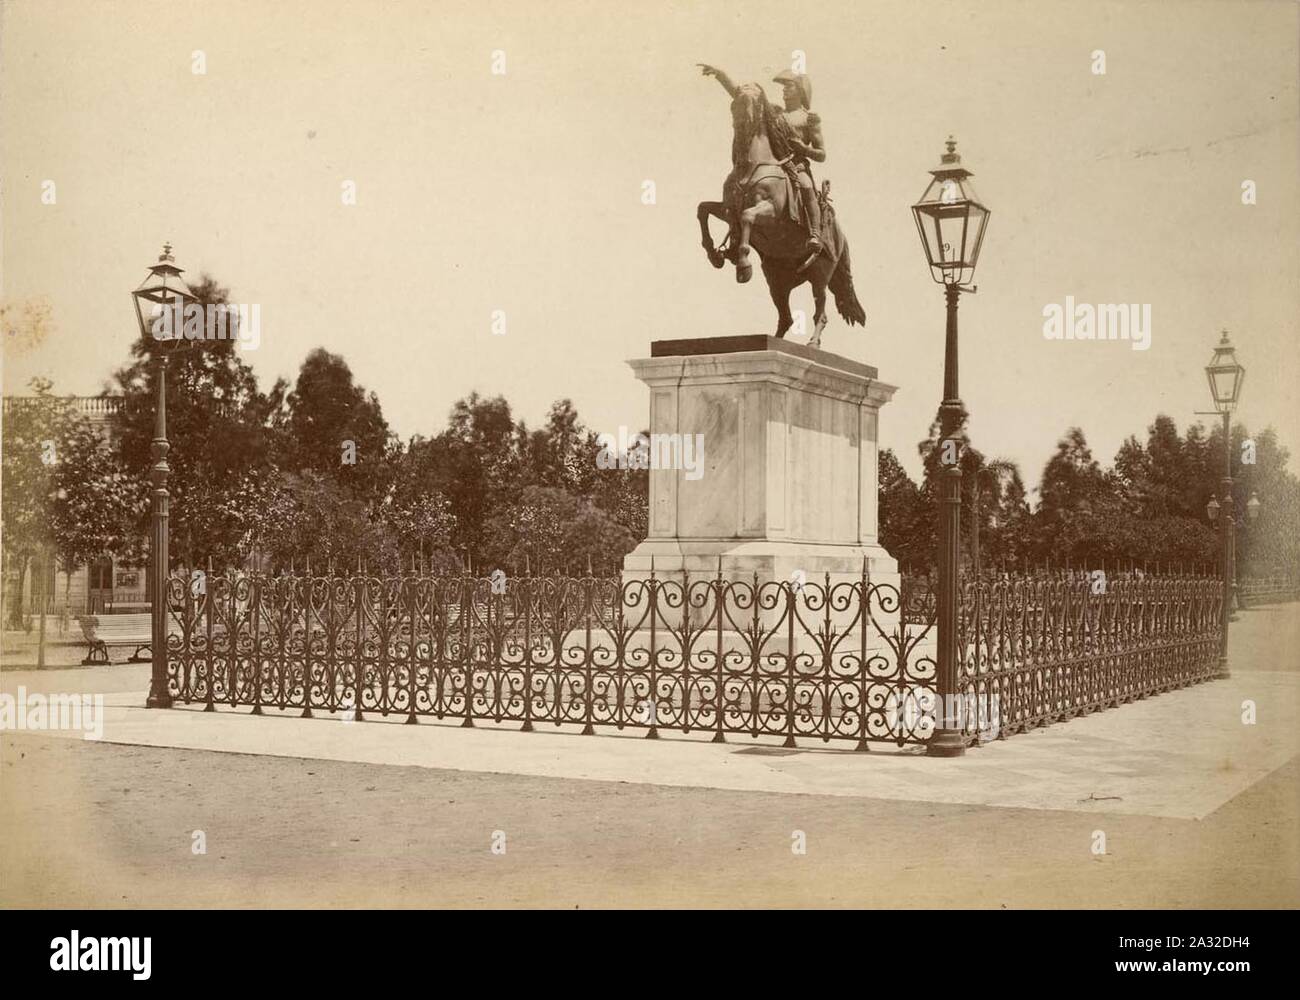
[[308, 473], [312, 473], [1148, 509]]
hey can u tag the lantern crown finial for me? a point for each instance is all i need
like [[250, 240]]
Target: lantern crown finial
[[950, 165], [167, 253]]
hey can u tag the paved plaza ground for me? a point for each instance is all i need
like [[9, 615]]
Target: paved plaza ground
[[1197, 809]]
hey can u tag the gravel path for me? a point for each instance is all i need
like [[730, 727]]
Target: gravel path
[[113, 826]]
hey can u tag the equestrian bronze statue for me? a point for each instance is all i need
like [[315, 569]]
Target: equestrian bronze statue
[[769, 202]]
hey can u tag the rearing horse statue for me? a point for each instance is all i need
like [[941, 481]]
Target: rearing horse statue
[[757, 206]]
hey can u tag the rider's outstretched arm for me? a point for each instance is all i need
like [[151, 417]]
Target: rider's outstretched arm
[[721, 77]]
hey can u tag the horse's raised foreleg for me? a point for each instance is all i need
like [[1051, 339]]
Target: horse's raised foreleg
[[760, 211], [717, 210]]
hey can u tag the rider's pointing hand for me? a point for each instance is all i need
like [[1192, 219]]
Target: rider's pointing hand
[[720, 76]]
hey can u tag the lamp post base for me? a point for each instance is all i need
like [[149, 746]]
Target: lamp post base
[[947, 743]]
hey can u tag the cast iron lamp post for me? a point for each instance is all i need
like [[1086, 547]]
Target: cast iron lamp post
[[951, 221], [160, 302], [1225, 375], [1252, 514]]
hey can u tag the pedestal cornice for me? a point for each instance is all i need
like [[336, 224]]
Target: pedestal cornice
[[760, 359]]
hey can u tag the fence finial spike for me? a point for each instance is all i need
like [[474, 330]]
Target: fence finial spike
[[528, 565], [589, 564]]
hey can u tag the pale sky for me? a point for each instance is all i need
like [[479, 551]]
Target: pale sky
[[522, 192]]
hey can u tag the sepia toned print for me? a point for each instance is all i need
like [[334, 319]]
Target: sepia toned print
[[492, 455]]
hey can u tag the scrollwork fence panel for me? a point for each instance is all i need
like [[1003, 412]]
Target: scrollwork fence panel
[[1044, 648], [703, 654], [850, 660]]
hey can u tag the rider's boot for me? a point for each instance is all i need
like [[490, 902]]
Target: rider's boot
[[812, 210]]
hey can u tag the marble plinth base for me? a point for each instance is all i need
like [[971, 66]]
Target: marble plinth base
[[784, 483]]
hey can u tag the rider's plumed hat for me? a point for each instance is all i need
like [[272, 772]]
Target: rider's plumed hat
[[800, 80]]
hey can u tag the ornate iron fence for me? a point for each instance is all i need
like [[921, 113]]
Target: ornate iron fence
[[918, 598], [1045, 648], [691, 654], [1268, 590], [833, 661]]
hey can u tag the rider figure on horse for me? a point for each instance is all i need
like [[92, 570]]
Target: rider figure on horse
[[807, 143]]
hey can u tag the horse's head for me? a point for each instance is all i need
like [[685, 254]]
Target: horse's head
[[753, 117], [748, 107], [750, 113]]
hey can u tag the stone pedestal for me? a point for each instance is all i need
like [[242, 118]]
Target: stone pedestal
[[787, 486]]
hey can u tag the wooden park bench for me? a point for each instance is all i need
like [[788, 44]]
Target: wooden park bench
[[127, 607], [102, 631]]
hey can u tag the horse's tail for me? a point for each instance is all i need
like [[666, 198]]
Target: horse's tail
[[841, 286]]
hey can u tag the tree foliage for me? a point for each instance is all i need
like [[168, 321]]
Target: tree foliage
[[1148, 509], [523, 497], [314, 472], [64, 496], [333, 426]]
